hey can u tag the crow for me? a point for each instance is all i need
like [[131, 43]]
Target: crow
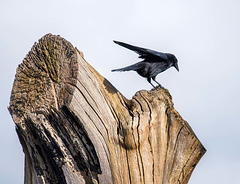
[[153, 62]]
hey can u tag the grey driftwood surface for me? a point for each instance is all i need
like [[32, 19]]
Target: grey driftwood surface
[[75, 127]]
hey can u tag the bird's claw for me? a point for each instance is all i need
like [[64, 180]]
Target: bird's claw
[[158, 86]]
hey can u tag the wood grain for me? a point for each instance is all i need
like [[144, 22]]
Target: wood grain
[[75, 127]]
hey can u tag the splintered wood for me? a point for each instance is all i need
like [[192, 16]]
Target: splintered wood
[[75, 127]]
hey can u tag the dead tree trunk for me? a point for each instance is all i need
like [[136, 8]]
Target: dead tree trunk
[[75, 127]]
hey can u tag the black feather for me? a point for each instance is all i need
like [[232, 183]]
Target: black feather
[[154, 62], [144, 53]]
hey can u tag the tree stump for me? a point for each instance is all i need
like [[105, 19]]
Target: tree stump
[[75, 127]]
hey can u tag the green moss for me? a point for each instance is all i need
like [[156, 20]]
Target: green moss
[[51, 59]]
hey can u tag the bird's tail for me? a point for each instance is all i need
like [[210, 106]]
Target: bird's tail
[[129, 68]]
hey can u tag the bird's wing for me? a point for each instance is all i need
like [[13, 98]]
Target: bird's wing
[[135, 67], [144, 53], [157, 68]]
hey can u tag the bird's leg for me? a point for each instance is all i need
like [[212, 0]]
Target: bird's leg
[[154, 79], [149, 80]]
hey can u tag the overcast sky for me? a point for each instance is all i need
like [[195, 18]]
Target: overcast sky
[[203, 34]]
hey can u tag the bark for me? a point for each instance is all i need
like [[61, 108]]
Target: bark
[[75, 127]]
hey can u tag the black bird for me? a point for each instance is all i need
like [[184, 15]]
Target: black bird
[[153, 62]]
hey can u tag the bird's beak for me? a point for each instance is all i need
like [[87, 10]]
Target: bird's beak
[[176, 66]]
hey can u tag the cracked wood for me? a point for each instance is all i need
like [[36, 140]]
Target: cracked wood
[[75, 127]]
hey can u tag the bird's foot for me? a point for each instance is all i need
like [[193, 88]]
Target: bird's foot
[[159, 86]]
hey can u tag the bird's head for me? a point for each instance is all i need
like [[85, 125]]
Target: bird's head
[[173, 60], [176, 63]]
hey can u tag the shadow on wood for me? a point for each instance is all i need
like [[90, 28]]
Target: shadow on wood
[[75, 127]]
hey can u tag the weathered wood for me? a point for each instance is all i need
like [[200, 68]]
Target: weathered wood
[[75, 127]]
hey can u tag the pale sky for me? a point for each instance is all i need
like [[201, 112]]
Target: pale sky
[[203, 34]]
